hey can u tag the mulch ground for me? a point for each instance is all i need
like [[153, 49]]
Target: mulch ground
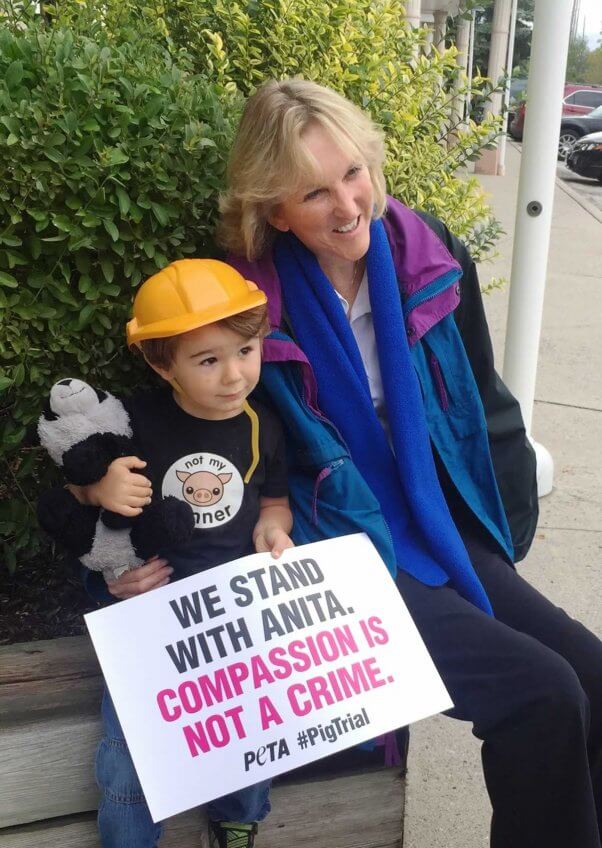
[[41, 600]]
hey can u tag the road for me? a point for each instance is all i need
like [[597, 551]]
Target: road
[[588, 190]]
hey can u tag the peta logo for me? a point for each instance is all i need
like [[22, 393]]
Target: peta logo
[[210, 483], [203, 487]]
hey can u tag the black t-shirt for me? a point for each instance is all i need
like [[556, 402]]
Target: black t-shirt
[[204, 463]]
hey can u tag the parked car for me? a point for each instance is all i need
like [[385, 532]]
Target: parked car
[[585, 158], [518, 92], [573, 127], [581, 99], [577, 100]]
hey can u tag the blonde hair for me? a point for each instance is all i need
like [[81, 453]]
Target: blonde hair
[[268, 163]]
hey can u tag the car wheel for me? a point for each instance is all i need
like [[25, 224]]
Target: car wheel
[[565, 143]]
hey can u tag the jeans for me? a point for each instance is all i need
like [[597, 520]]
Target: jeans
[[124, 820]]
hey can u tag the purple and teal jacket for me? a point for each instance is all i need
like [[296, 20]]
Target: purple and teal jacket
[[328, 496]]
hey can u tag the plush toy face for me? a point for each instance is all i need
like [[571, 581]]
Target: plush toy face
[[75, 413], [69, 397]]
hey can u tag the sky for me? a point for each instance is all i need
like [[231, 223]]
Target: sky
[[591, 13]]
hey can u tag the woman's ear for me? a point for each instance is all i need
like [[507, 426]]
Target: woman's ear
[[278, 220]]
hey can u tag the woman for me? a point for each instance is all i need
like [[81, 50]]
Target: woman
[[306, 217], [307, 163]]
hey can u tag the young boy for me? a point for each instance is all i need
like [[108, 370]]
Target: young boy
[[199, 325]]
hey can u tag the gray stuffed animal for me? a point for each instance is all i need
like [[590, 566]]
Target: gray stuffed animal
[[84, 430]]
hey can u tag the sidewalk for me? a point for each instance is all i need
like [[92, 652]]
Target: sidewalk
[[446, 802]]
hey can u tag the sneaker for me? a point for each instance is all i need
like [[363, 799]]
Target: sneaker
[[224, 834]]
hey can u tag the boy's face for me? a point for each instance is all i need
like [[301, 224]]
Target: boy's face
[[216, 369]]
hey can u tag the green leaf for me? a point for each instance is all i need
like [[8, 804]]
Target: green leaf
[[11, 241], [38, 215], [54, 139], [14, 74], [11, 124], [124, 200], [5, 382], [62, 222], [111, 229], [104, 320], [117, 157], [107, 269], [85, 315], [19, 375], [85, 284], [14, 439], [8, 281], [160, 213], [54, 155], [44, 311]]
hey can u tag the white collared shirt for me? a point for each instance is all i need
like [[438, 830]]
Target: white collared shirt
[[362, 327]]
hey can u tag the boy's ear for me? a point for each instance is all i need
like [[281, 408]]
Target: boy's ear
[[164, 373]]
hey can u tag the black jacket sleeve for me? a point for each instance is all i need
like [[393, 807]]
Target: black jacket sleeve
[[511, 452]]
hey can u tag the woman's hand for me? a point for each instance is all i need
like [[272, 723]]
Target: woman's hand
[[121, 490], [154, 573]]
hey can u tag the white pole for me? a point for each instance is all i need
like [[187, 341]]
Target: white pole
[[500, 26], [534, 210], [498, 50], [413, 9], [471, 37], [501, 168], [459, 101], [427, 20], [440, 29]]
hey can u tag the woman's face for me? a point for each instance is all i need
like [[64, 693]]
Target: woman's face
[[331, 217]]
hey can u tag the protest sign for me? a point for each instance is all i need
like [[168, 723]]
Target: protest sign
[[258, 666]]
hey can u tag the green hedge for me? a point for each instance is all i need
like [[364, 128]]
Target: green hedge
[[116, 120], [112, 157]]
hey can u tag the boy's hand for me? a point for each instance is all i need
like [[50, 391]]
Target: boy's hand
[[272, 539], [154, 573], [274, 525], [121, 490]]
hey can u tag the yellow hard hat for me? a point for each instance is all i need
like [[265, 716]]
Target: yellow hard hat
[[187, 294]]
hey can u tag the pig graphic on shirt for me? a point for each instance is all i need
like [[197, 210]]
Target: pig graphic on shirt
[[203, 488]]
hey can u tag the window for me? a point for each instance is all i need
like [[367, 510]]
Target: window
[[570, 99], [588, 98]]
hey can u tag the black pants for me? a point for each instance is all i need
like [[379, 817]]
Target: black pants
[[530, 681]]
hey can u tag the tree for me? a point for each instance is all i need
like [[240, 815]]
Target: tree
[[577, 60], [594, 67]]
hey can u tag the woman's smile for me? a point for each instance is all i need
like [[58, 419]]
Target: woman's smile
[[348, 228]]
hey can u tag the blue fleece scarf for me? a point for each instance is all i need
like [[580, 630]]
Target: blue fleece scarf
[[404, 480]]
